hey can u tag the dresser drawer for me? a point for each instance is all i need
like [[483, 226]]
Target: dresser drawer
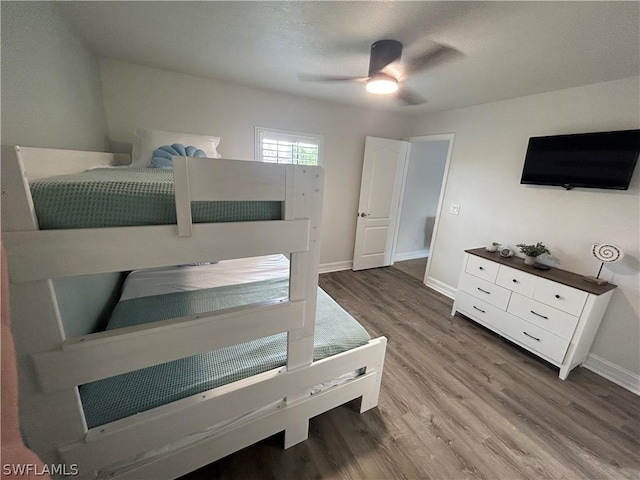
[[482, 268], [538, 339], [489, 292], [562, 297], [516, 280], [544, 316], [484, 312]]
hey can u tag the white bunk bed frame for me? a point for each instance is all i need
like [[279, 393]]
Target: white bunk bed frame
[[51, 366]]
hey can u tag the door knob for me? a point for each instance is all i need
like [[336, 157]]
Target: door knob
[[364, 214]]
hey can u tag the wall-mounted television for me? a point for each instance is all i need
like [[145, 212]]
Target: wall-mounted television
[[590, 160]]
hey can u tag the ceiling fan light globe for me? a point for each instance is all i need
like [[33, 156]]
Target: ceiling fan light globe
[[382, 86]]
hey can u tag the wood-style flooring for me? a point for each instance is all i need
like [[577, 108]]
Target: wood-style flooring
[[414, 268], [457, 402]]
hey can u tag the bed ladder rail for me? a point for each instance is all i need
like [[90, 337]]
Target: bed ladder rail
[[113, 352], [305, 190]]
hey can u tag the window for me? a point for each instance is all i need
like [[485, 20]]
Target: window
[[279, 146]]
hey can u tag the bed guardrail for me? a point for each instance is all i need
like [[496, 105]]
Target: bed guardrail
[[100, 355], [196, 180], [44, 254], [113, 442]]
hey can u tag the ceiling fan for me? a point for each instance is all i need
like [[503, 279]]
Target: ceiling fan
[[386, 74]]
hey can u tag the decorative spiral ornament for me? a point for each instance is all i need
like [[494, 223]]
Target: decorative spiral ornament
[[607, 253]]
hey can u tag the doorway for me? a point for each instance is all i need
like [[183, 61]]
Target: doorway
[[420, 205]]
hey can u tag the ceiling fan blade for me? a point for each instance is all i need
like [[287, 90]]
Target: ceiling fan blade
[[394, 69], [312, 77], [409, 97], [436, 56]]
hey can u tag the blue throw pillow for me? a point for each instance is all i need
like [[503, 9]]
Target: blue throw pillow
[[162, 156]]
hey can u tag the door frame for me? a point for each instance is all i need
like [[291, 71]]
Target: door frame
[[425, 138], [403, 184]]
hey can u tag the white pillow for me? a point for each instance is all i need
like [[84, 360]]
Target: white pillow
[[146, 140]]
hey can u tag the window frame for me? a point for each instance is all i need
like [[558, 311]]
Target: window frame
[[294, 136]]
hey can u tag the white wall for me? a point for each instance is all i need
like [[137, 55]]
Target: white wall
[[52, 97], [425, 168], [484, 177], [137, 96], [51, 93]]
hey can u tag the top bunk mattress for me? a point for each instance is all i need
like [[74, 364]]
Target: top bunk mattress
[[121, 197]]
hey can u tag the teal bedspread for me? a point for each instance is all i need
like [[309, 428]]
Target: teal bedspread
[[121, 396], [120, 197]]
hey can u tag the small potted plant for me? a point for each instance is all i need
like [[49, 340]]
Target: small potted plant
[[532, 252]]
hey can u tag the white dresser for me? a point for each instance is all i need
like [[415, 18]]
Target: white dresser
[[553, 313]]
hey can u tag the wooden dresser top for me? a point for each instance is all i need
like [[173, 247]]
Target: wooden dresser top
[[554, 274]]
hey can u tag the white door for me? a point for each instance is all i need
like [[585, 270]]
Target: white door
[[378, 211]]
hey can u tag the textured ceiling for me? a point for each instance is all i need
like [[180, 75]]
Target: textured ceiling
[[510, 49]]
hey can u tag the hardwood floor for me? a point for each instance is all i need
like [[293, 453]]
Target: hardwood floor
[[457, 402], [414, 268]]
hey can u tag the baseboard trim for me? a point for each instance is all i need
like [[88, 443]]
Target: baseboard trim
[[335, 266], [401, 257], [613, 372], [441, 287]]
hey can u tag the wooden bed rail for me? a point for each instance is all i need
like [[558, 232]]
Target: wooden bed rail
[[113, 352], [236, 437], [204, 179], [40, 163], [43, 254], [163, 425]]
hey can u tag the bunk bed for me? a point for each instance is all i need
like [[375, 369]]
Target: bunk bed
[[64, 370]]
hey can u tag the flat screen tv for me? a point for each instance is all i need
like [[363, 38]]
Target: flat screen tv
[[591, 160]]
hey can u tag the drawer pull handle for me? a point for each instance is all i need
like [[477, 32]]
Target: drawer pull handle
[[479, 309], [531, 336], [481, 268], [538, 315], [484, 291], [515, 281], [558, 297]]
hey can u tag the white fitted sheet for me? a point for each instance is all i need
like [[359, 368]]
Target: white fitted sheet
[[158, 281]]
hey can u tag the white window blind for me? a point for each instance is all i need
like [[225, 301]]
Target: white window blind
[[278, 146]]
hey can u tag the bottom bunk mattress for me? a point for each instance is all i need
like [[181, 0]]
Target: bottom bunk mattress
[[124, 395]]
